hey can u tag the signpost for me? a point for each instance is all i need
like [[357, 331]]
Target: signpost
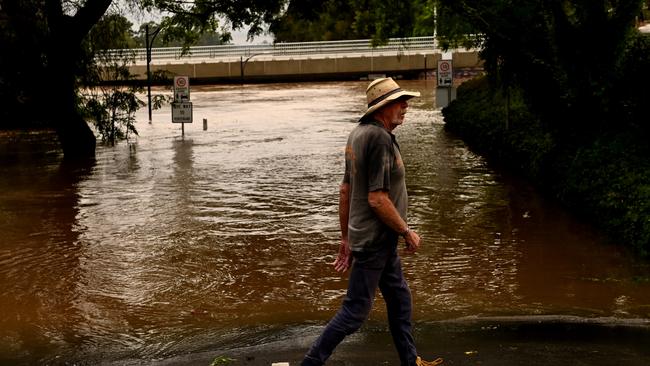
[[445, 73], [182, 112], [181, 106], [445, 91], [181, 88]]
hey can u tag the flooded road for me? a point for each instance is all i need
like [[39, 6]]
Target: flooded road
[[171, 245]]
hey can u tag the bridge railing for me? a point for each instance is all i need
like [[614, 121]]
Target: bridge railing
[[293, 49]]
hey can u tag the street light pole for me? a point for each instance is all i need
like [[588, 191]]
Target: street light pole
[[149, 45], [242, 64]]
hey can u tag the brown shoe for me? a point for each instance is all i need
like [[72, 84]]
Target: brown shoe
[[421, 362]]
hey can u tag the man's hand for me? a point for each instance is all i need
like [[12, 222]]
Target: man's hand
[[412, 240], [344, 258]]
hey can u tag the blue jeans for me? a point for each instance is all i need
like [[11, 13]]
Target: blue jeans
[[370, 270]]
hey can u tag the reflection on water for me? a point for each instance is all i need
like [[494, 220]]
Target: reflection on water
[[170, 245]]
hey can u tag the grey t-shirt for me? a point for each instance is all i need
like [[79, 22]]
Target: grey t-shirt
[[372, 162]]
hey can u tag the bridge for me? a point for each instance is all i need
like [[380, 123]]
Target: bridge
[[333, 60]]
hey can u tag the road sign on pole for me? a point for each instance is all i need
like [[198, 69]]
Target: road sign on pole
[[181, 88], [181, 106], [445, 73], [182, 112]]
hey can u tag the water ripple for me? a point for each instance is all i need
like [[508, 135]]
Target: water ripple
[[171, 245]]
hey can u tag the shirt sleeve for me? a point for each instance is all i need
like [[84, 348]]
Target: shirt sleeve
[[346, 176]]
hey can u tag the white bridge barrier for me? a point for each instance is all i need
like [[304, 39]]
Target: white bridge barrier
[[294, 49], [292, 61]]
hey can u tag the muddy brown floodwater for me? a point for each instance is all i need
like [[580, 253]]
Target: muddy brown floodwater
[[223, 238]]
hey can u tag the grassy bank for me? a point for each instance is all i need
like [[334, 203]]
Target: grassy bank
[[605, 179]]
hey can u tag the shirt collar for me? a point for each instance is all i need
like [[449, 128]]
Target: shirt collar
[[371, 121], [374, 122]]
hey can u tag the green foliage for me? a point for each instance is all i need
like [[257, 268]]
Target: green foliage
[[185, 30], [111, 107], [112, 111], [452, 28], [190, 18], [510, 135], [208, 37], [606, 180], [23, 42], [47, 59], [315, 20], [39, 38], [582, 70], [564, 55], [374, 19], [112, 31], [609, 181], [630, 107], [425, 19], [353, 19], [381, 20]]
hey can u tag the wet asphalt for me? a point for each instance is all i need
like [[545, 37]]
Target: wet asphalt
[[527, 341]]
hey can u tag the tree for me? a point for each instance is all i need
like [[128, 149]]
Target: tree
[[44, 46], [312, 20], [207, 38], [188, 19], [43, 58], [352, 19], [111, 107], [565, 55]]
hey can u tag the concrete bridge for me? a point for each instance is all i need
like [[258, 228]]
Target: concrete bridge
[[336, 60]]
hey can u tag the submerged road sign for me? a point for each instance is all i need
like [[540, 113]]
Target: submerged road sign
[[445, 73], [182, 112], [181, 88]]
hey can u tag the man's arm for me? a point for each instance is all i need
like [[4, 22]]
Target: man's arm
[[344, 208], [384, 208], [344, 258]]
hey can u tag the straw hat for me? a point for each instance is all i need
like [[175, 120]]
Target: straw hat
[[383, 91]]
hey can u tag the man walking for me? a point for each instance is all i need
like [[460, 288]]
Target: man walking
[[372, 214]]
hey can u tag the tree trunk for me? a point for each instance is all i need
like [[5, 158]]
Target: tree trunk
[[64, 53], [77, 139], [42, 57]]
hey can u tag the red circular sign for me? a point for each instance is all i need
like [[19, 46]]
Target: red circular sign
[[444, 66], [181, 82]]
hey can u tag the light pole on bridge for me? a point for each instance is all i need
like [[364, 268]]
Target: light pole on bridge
[[242, 64], [149, 45]]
